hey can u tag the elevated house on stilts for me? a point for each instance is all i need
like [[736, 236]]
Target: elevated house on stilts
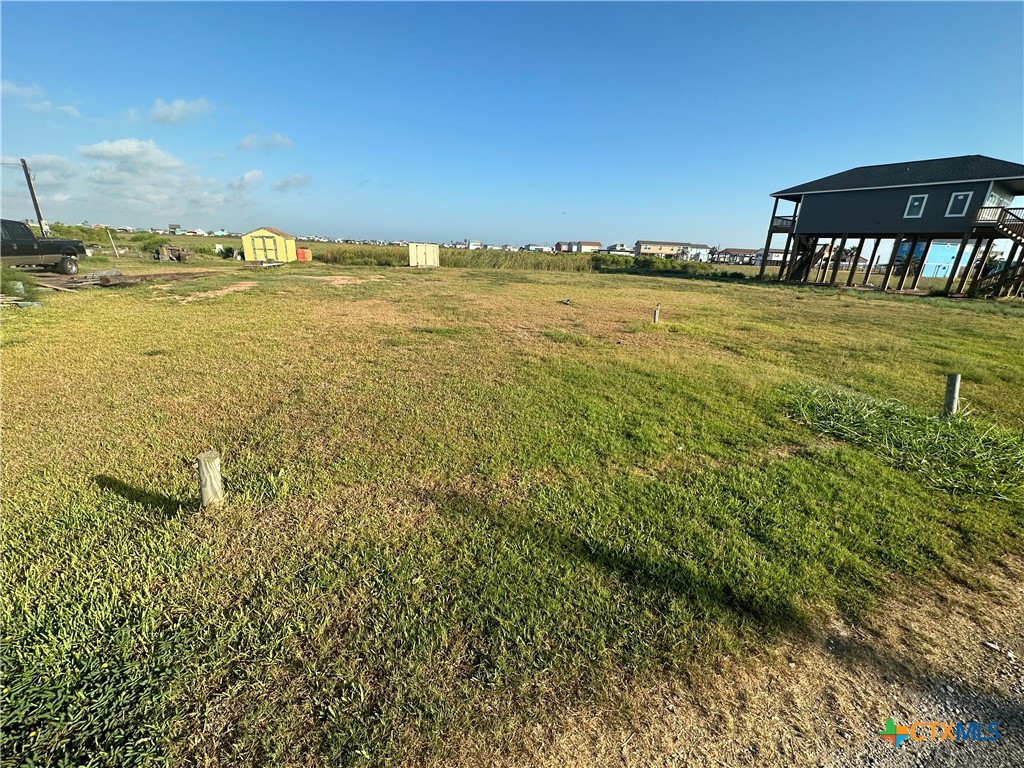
[[968, 199]]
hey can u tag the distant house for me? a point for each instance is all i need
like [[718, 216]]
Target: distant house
[[474, 245], [565, 247], [670, 249], [774, 256], [665, 249], [537, 248], [736, 255], [619, 249], [968, 198], [268, 244]]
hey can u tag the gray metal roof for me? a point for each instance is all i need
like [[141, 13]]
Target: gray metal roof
[[940, 171]]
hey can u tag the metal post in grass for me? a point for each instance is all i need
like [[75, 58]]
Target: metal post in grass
[[210, 486], [952, 404], [657, 314]]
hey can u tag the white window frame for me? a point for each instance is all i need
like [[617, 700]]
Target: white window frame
[[967, 204], [924, 202]]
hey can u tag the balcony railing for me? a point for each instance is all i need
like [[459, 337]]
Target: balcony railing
[[1010, 220], [783, 223]]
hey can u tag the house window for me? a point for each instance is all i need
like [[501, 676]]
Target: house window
[[915, 207], [958, 203]]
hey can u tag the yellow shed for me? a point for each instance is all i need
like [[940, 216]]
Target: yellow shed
[[268, 244]]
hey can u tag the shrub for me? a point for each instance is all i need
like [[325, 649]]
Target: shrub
[[609, 261]]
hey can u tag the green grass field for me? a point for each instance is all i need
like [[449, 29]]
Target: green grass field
[[458, 505]]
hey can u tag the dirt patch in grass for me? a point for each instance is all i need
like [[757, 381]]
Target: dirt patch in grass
[[948, 652], [245, 285], [340, 280]]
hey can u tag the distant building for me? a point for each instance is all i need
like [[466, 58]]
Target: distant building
[[588, 246], [736, 255], [774, 256], [537, 248], [618, 249], [561, 247], [966, 199], [669, 249]]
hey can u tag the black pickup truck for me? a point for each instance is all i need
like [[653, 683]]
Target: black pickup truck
[[21, 248]]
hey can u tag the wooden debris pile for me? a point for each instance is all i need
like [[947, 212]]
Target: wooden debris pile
[[174, 253], [110, 278], [17, 301]]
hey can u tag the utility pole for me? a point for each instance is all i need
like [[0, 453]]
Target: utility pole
[[43, 229]]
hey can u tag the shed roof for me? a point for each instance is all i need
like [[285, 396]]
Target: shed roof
[[940, 171], [274, 230]]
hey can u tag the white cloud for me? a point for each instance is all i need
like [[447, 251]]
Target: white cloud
[[137, 175], [46, 106], [135, 152], [293, 181], [30, 91], [277, 140], [179, 110], [54, 178], [246, 181], [35, 92], [273, 141]]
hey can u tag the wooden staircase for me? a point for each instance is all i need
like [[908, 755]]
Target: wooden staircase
[[1002, 283], [1009, 222], [1001, 222], [803, 256]]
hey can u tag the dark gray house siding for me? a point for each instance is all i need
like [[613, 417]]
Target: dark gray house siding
[[883, 211], [967, 198]]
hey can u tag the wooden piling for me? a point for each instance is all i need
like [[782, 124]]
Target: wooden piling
[[952, 404]]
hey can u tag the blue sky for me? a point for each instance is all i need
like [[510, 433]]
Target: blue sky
[[508, 123]]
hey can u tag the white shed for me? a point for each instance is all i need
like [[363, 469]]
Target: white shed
[[424, 255]]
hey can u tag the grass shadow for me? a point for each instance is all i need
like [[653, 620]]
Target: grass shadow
[[166, 506]]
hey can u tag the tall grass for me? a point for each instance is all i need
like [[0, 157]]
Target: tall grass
[[957, 454], [481, 259], [398, 256]]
